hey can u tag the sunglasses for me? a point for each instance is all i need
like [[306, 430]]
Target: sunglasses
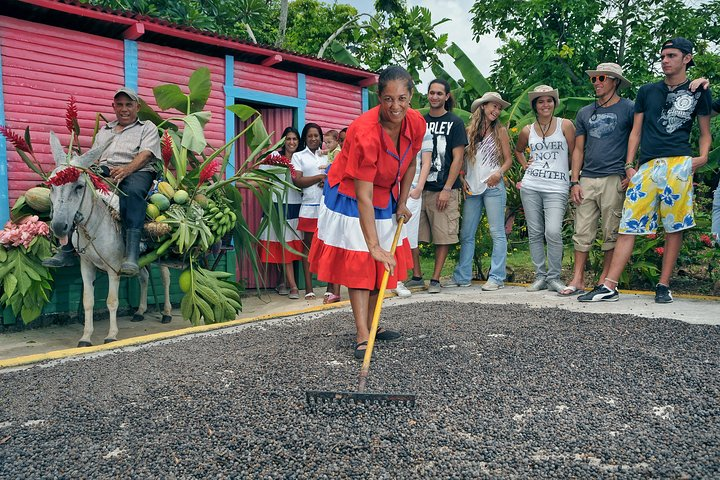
[[600, 78]]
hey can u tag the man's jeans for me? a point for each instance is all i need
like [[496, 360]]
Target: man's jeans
[[544, 213], [133, 204], [493, 201]]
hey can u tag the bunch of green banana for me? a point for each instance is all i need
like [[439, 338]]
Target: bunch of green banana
[[211, 298], [220, 217], [189, 228]]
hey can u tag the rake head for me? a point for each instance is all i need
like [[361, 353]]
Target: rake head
[[315, 397]]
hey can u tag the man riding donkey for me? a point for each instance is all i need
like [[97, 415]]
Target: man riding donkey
[[133, 147]]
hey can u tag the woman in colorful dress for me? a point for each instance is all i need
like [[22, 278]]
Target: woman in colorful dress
[[365, 192], [310, 167], [487, 158], [545, 186], [271, 247]]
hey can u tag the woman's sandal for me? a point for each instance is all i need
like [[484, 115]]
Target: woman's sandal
[[359, 353], [327, 294], [294, 294], [388, 336], [310, 296], [332, 298]]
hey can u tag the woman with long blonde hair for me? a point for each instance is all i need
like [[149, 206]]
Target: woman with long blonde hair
[[487, 158]]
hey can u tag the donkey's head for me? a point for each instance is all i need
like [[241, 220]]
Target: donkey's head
[[68, 196]]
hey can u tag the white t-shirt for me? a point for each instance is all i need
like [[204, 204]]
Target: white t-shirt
[[549, 169], [427, 146], [309, 164], [487, 162]]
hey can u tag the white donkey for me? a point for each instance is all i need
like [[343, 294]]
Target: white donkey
[[97, 238]]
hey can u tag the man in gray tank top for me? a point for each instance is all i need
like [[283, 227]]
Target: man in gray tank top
[[598, 177]]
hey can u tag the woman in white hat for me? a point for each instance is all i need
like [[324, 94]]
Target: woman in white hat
[[487, 158], [545, 185]]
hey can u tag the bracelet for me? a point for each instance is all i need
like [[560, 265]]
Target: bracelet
[[628, 166], [447, 189]]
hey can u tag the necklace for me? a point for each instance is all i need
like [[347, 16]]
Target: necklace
[[599, 106], [672, 87], [544, 129]]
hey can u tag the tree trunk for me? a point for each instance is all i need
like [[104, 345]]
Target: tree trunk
[[623, 32], [283, 23]]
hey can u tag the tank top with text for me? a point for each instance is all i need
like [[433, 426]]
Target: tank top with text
[[549, 170]]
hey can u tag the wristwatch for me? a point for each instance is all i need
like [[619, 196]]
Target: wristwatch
[[572, 184]]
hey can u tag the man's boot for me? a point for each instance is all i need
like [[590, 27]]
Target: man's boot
[[132, 249], [64, 257]]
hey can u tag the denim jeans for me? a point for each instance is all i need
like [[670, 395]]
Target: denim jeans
[[716, 216], [493, 201], [132, 205], [544, 213]]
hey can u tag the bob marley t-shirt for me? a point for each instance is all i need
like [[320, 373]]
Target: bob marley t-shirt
[[448, 132]]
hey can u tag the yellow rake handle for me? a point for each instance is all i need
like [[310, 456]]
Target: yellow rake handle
[[378, 306]]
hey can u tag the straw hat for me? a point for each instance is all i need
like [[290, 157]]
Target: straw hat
[[544, 91], [489, 97], [612, 69]]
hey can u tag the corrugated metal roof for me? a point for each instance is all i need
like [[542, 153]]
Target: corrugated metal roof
[[113, 23]]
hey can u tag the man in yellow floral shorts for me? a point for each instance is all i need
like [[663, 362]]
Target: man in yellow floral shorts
[[660, 191]]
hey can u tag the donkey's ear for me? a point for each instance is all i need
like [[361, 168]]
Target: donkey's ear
[[92, 155], [57, 150]]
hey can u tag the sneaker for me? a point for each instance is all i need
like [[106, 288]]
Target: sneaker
[[415, 283], [491, 285], [539, 284], [402, 291], [600, 294], [663, 294], [434, 286], [452, 283]]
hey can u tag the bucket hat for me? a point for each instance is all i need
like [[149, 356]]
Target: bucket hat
[[612, 69], [544, 91], [489, 97]]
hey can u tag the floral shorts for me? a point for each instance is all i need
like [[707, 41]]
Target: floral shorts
[[664, 186]]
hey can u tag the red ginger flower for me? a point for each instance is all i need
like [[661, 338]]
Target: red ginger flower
[[71, 116], [276, 159], [16, 140], [66, 175], [210, 169], [652, 236], [99, 183], [706, 240], [660, 251], [166, 149]]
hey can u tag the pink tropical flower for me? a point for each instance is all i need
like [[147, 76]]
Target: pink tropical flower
[[99, 184], [276, 159], [23, 232], [706, 240], [64, 176], [210, 169], [652, 236], [16, 140], [660, 251], [71, 116]]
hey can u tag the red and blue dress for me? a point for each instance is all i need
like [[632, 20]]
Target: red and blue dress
[[339, 253]]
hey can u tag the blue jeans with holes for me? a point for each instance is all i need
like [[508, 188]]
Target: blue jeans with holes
[[493, 202], [716, 216], [544, 213]]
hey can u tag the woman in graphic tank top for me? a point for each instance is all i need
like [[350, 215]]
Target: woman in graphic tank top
[[545, 185]]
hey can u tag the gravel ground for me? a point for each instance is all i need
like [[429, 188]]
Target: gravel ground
[[504, 391]]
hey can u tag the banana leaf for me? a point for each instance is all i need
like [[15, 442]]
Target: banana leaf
[[469, 71]]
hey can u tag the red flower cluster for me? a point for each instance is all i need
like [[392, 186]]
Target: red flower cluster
[[16, 140], [71, 116], [166, 145], [652, 236], [99, 183], [660, 251], [64, 176], [706, 240], [276, 159], [210, 169]]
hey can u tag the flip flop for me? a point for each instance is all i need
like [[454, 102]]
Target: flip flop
[[332, 298], [571, 290], [327, 294], [310, 296]]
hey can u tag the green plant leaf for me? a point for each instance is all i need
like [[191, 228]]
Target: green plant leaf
[[170, 96], [147, 113], [200, 88], [469, 71], [243, 112], [193, 137], [340, 54], [9, 284]]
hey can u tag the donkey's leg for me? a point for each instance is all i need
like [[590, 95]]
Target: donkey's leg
[[87, 270], [142, 303], [112, 304], [167, 309]]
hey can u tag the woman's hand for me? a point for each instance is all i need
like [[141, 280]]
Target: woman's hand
[[383, 256], [494, 179], [403, 211], [416, 193]]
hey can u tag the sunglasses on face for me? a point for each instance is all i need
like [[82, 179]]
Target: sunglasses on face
[[599, 78]]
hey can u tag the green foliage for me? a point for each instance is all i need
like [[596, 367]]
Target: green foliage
[[24, 282], [311, 22]]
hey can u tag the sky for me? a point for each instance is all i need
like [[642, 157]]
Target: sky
[[459, 31]]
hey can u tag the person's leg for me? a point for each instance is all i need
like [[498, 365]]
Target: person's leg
[[445, 226], [417, 268], [534, 217], [621, 256], [555, 205], [495, 200], [441, 253], [472, 212], [611, 204], [132, 211], [586, 221], [716, 216], [359, 302], [673, 242], [307, 239], [290, 277]]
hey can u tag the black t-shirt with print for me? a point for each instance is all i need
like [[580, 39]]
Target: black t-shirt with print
[[448, 132], [668, 118], [716, 105]]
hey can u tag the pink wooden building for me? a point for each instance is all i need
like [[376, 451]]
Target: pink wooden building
[[52, 49]]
